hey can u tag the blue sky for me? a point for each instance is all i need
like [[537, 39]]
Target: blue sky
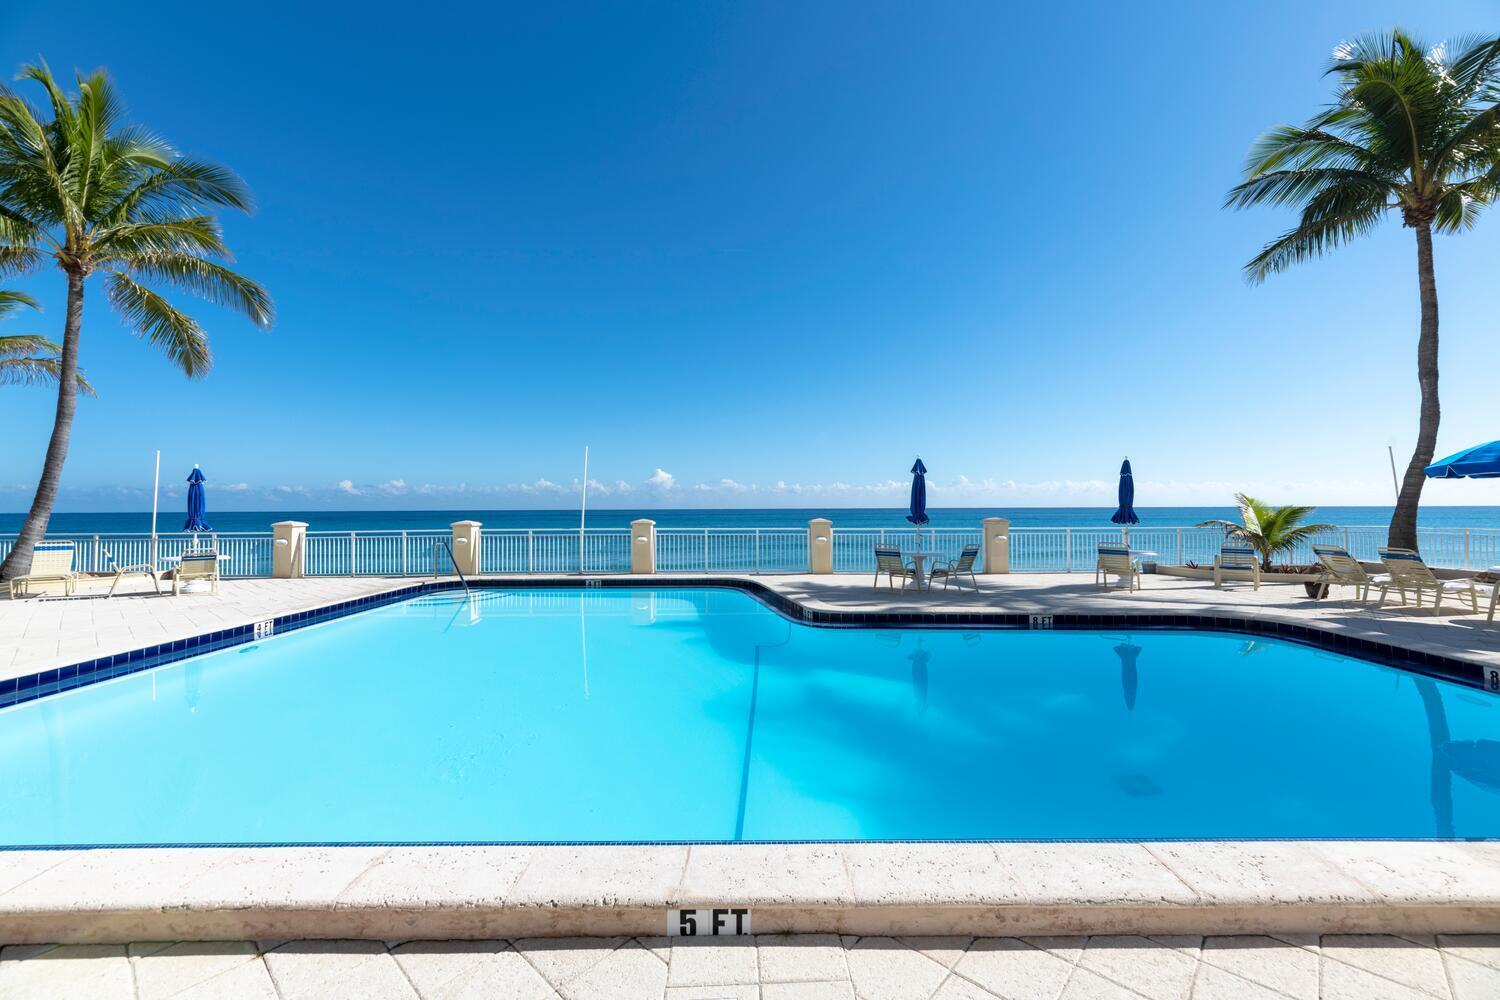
[[756, 254]]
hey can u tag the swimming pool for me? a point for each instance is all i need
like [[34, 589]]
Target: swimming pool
[[699, 714]]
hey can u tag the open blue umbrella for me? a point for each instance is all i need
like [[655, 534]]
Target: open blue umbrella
[[918, 512], [1479, 462], [196, 503], [1125, 514]]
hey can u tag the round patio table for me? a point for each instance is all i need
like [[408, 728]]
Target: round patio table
[[919, 557]]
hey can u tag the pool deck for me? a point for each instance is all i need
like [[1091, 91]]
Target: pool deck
[[1006, 889]]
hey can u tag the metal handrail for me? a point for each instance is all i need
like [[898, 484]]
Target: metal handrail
[[449, 549]]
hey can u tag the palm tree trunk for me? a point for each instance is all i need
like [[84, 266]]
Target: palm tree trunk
[[1403, 533], [35, 527]]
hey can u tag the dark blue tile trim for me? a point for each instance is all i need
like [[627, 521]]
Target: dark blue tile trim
[[16, 690]]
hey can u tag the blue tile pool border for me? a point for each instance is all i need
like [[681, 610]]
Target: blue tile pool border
[[16, 690]]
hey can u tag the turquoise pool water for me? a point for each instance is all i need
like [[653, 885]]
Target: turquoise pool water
[[675, 714]]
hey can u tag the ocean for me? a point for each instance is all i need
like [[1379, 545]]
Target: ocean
[[861, 517]]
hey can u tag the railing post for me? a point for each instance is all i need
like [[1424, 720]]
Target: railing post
[[1466, 548], [643, 546], [705, 550], [530, 551], [288, 539], [465, 539], [403, 553], [996, 538], [1179, 561], [757, 551], [820, 545], [1068, 549]]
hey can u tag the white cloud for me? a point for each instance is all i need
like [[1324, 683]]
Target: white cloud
[[662, 480], [347, 486], [393, 487]]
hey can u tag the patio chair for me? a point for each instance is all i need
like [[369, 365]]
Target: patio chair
[[1409, 572], [196, 565], [1240, 559], [51, 562], [953, 569], [1114, 558], [1342, 569], [888, 561], [135, 569]]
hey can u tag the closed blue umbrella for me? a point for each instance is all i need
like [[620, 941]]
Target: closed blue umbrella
[[197, 505], [1479, 462], [1125, 514], [918, 512]]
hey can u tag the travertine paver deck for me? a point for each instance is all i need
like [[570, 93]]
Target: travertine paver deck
[[812, 967]]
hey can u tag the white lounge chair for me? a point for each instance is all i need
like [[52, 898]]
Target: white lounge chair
[[1342, 569], [1241, 559], [888, 562], [196, 566], [51, 562], [1116, 559], [953, 569], [1409, 572], [135, 569]]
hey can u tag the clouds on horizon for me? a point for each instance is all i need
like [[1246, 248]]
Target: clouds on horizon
[[663, 489]]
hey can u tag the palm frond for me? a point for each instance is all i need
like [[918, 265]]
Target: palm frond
[[10, 301], [155, 319], [26, 359], [151, 237], [208, 280], [1331, 218]]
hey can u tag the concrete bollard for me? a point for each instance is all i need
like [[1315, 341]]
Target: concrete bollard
[[288, 538], [996, 545], [820, 545], [643, 546], [465, 542]]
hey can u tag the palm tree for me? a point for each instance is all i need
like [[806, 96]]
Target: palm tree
[[1269, 530], [1414, 130], [25, 358], [100, 197]]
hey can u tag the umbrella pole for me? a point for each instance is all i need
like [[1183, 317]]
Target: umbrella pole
[[155, 492]]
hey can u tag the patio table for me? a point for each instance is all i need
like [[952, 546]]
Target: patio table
[[918, 557]]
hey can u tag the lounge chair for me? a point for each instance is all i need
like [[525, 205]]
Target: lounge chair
[[888, 561], [952, 569], [51, 562], [1237, 559], [1116, 559], [1342, 569], [1409, 572], [196, 566], [135, 569]]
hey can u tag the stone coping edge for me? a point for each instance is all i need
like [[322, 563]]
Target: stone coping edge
[[913, 889]]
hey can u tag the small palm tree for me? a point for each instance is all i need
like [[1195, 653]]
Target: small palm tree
[[25, 358], [100, 197], [1414, 130], [1269, 530]]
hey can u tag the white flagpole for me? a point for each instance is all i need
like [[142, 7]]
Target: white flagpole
[[155, 491], [583, 507]]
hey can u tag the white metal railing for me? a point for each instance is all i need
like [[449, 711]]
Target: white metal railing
[[728, 550]]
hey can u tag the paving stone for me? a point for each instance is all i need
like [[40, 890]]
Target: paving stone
[[162, 972], [741, 992], [1390, 957], [1267, 961], [713, 963], [1213, 983], [69, 972], [1013, 969], [807, 991], [1085, 985], [1345, 982], [323, 970], [1139, 965], [956, 988], [883, 968], [453, 968], [630, 972], [1481, 948], [1471, 980], [561, 959], [801, 958], [251, 981]]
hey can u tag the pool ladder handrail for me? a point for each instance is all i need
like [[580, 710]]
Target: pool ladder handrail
[[449, 549]]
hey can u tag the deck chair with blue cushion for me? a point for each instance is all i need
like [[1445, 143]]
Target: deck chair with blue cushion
[[1115, 558], [888, 562], [1342, 569], [1409, 572], [196, 565], [1241, 560], [51, 562], [955, 569]]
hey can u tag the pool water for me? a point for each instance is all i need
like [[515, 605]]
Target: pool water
[[699, 714]]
